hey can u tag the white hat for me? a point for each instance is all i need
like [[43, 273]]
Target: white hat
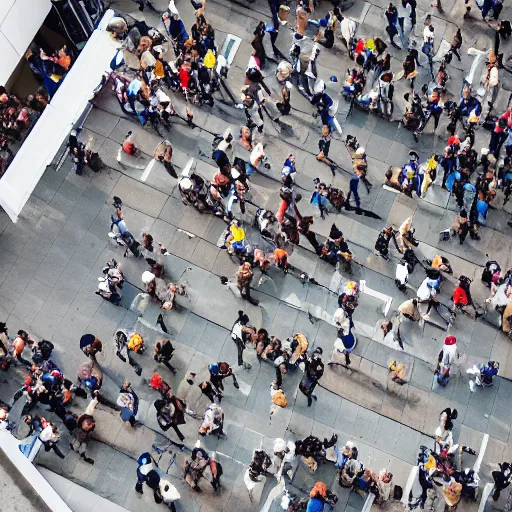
[[147, 277], [360, 151], [186, 184]]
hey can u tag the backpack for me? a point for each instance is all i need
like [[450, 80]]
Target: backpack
[[279, 398], [136, 343]]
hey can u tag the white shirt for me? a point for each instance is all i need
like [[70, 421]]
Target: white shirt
[[493, 77], [341, 320], [403, 12], [428, 36], [424, 292]]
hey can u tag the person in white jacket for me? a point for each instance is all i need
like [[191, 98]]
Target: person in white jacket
[[348, 28]]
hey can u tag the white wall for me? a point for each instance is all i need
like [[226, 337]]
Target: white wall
[[19, 22], [57, 120]]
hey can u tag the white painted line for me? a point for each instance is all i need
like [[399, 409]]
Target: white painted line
[[338, 126], [391, 189], [481, 453], [378, 295], [147, 170], [273, 494], [370, 498], [413, 476], [485, 496], [190, 235]]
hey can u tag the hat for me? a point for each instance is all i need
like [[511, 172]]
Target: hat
[[318, 350], [186, 184], [333, 78], [360, 151], [147, 277], [213, 369], [450, 340]]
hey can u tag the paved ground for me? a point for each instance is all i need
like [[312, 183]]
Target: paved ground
[[52, 257]]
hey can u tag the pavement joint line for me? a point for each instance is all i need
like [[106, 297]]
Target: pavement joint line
[[446, 250], [265, 293]]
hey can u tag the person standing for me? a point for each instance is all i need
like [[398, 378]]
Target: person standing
[[243, 281], [448, 355], [324, 145], [502, 479], [500, 132], [313, 371], [392, 18], [456, 43], [284, 105], [78, 158], [428, 46], [19, 344], [82, 434], [241, 333]]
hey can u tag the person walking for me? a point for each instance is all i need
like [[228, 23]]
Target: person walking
[[241, 333], [392, 30], [243, 281], [164, 352], [313, 371], [403, 12], [456, 43], [170, 412], [163, 153], [85, 426]]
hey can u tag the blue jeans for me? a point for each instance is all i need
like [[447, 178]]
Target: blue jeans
[[354, 184], [398, 26]]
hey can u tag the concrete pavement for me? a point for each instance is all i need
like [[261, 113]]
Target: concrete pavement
[[52, 257]]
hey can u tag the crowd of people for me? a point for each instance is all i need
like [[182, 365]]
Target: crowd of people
[[196, 71]]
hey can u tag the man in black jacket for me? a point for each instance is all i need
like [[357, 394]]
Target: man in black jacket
[[314, 369]]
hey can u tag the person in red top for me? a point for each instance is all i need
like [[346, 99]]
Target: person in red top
[[462, 297], [500, 132]]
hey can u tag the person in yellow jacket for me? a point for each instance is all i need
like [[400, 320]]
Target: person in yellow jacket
[[235, 234]]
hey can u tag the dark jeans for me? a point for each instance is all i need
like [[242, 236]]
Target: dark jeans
[[165, 428], [274, 7], [497, 140], [309, 393], [354, 184], [170, 169], [245, 292], [240, 346], [55, 448], [78, 167]]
